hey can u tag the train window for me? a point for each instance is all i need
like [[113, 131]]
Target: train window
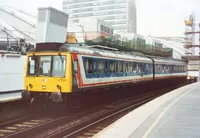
[[106, 66], [171, 69], [175, 68], [88, 65], [129, 67], [168, 68], [134, 67], [150, 68], [116, 66], [146, 68], [120, 66], [137, 68], [126, 67], [59, 66], [142, 67], [162, 68], [31, 69], [112, 66], [101, 65], [95, 66], [157, 68], [45, 66]]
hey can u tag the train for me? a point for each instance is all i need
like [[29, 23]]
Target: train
[[57, 70]]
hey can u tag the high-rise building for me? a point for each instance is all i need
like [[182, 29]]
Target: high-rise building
[[121, 14]]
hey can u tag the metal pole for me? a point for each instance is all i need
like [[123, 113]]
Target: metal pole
[[199, 53]]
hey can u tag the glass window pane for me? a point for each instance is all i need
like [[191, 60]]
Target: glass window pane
[[59, 63], [88, 65], [32, 61], [101, 66], [45, 66]]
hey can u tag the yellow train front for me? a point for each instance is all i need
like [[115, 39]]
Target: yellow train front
[[48, 73]]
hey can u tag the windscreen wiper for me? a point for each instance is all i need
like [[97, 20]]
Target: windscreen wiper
[[61, 58]]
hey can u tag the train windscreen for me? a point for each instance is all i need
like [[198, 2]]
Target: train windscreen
[[53, 66]]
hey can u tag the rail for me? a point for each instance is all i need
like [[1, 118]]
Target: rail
[[78, 121]]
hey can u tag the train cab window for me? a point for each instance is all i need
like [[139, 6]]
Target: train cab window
[[31, 69], [88, 65], [59, 63], [45, 66], [101, 66]]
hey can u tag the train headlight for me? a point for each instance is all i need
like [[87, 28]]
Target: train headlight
[[43, 87]]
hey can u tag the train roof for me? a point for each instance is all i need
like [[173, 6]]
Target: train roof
[[92, 50], [103, 51]]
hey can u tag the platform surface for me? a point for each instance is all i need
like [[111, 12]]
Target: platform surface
[[173, 115], [7, 97]]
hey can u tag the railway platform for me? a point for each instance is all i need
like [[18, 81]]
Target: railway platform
[[173, 115], [7, 97]]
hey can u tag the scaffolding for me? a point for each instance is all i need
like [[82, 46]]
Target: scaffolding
[[189, 36], [136, 44], [192, 48]]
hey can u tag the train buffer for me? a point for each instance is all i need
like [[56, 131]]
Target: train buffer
[[175, 114]]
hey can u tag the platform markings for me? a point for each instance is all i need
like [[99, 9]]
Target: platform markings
[[163, 112]]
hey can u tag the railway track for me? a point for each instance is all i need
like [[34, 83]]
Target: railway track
[[87, 127], [81, 123], [74, 124]]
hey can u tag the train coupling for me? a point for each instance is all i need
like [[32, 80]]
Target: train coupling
[[56, 97]]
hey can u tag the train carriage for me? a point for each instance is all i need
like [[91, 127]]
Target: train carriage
[[57, 70]]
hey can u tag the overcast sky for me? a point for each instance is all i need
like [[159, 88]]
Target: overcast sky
[[154, 17]]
